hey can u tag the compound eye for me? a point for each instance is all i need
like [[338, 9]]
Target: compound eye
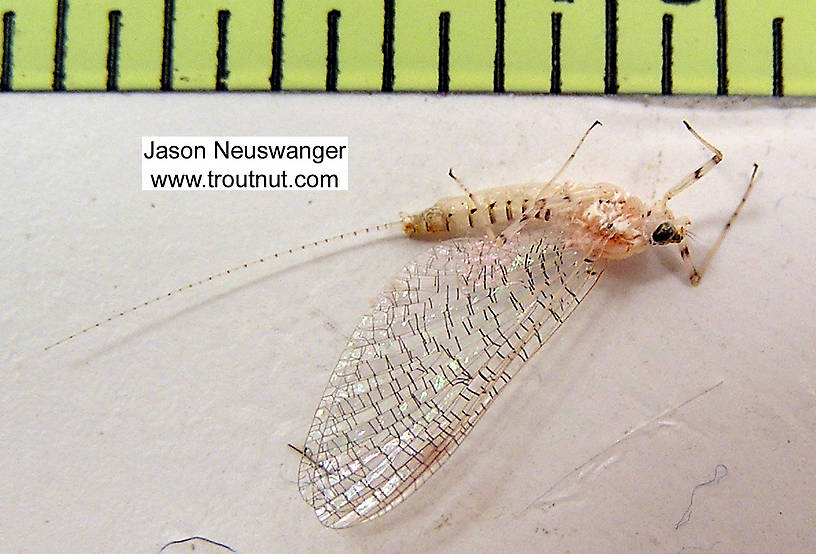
[[664, 233]]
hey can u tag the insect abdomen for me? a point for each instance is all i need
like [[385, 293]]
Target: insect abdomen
[[488, 211]]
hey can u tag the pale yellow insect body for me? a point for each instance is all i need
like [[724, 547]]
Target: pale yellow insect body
[[600, 219]]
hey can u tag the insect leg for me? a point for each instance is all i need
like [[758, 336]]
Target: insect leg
[[695, 175], [475, 206], [534, 211], [572, 155], [462, 186], [304, 455], [697, 274]]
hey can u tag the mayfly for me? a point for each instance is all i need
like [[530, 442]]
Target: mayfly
[[450, 331], [461, 320]]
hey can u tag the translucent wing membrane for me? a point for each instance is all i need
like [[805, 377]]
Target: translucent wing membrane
[[422, 367]]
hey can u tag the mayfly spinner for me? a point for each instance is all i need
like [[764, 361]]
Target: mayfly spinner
[[461, 320]]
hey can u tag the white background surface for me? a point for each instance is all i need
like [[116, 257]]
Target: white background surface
[[174, 421]]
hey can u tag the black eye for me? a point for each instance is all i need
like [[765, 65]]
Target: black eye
[[664, 233]]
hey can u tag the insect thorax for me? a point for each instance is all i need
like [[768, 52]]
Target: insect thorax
[[613, 224]]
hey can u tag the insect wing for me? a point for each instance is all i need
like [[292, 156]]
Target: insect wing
[[422, 367]]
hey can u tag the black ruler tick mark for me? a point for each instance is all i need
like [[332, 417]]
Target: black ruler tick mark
[[276, 77], [498, 59], [59, 47], [167, 45], [388, 47], [666, 79], [444, 52], [112, 63], [555, 62], [611, 67], [332, 45], [221, 71], [6, 64], [776, 27], [722, 47]]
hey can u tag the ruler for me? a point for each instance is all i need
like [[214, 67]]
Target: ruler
[[526, 46]]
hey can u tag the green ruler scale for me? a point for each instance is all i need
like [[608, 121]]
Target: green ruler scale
[[531, 46]]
